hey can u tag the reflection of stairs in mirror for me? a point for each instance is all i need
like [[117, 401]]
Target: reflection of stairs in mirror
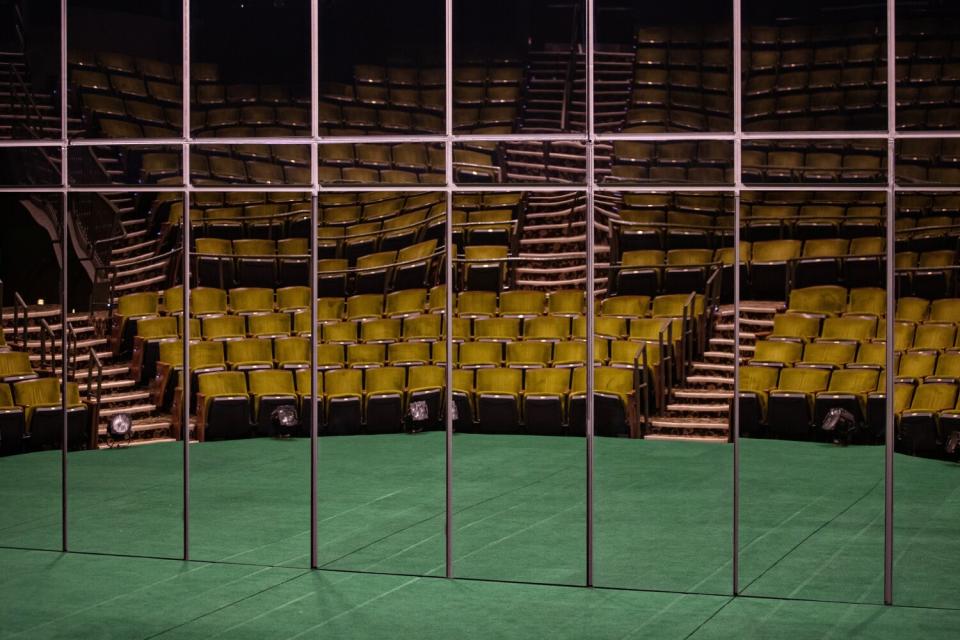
[[699, 407]]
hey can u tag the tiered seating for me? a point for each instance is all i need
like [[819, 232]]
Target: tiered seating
[[928, 68], [127, 98], [828, 350], [707, 162], [815, 161], [681, 80], [499, 342], [814, 76]]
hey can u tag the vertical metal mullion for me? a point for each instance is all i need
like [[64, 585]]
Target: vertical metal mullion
[[891, 294], [312, 270], [64, 256], [737, 77], [590, 294], [185, 375], [314, 406], [448, 298]]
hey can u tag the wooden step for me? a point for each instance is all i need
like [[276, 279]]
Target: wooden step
[[685, 423], [708, 380], [698, 394], [685, 438], [699, 408], [131, 410]]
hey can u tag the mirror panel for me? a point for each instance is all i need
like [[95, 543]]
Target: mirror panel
[[664, 382], [249, 368], [125, 491], [814, 66], [520, 386], [381, 286], [812, 422], [924, 398], [30, 443], [122, 84]]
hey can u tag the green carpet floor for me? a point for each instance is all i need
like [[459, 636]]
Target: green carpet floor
[[811, 515], [48, 595]]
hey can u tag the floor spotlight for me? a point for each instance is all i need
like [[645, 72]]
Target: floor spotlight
[[418, 414], [120, 429], [284, 420], [841, 425]]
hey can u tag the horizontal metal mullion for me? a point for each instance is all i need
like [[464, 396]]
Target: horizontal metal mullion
[[607, 187], [928, 188], [677, 136], [407, 188], [520, 137], [126, 142], [815, 135], [34, 189], [513, 188], [813, 187], [927, 134], [13, 144]]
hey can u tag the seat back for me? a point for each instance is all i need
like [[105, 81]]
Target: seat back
[[499, 381], [268, 382]]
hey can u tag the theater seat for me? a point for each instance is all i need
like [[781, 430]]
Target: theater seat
[[15, 366], [544, 401], [425, 384], [498, 399], [223, 406], [920, 424], [271, 389], [343, 394], [755, 385], [790, 408], [12, 428], [848, 390], [384, 396]]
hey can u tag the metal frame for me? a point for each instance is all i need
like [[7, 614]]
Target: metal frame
[[589, 138]]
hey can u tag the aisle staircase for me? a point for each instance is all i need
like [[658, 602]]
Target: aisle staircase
[[699, 407]]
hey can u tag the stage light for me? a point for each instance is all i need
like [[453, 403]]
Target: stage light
[[284, 420], [419, 412], [842, 424], [120, 428], [953, 446]]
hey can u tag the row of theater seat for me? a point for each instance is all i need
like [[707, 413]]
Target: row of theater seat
[[265, 263], [376, 401], [31, 409], [469, 304], [793, 403]]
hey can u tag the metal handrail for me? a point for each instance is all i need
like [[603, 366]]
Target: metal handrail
[[94, 361], [45, 330], [70, 344], [20, 317]]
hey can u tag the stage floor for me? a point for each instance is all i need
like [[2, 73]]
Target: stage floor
[[46, 595], [811, 528]]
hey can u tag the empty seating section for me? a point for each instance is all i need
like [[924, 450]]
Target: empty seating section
[[122, 97], [828, 350], [375, 351]]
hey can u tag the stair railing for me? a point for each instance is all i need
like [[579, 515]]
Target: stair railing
[[21, 320], [72, 347], [45, 333], [641, 386], [94, 363]]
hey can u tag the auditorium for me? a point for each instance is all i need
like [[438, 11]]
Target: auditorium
[[442, 319]]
